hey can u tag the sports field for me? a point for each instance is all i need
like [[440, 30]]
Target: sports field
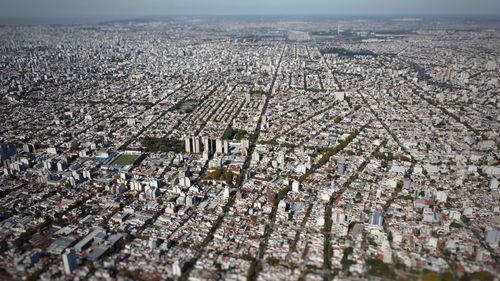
[[125, 160]]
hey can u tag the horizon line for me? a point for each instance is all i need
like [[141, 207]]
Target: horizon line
[[71, 20]]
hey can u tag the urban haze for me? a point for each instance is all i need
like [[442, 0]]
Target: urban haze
[[249, 140]]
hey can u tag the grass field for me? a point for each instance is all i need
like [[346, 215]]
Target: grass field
[[125, 160]]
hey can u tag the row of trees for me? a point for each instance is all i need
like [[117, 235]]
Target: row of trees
[[390, 157], [329, 153], [347, 53]]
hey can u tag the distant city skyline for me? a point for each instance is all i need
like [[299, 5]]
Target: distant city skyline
[[72, 10]]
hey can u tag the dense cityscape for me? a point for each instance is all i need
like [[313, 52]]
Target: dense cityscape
[[231, 148]]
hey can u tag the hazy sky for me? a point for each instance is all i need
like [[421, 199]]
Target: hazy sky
[[46, 9]]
